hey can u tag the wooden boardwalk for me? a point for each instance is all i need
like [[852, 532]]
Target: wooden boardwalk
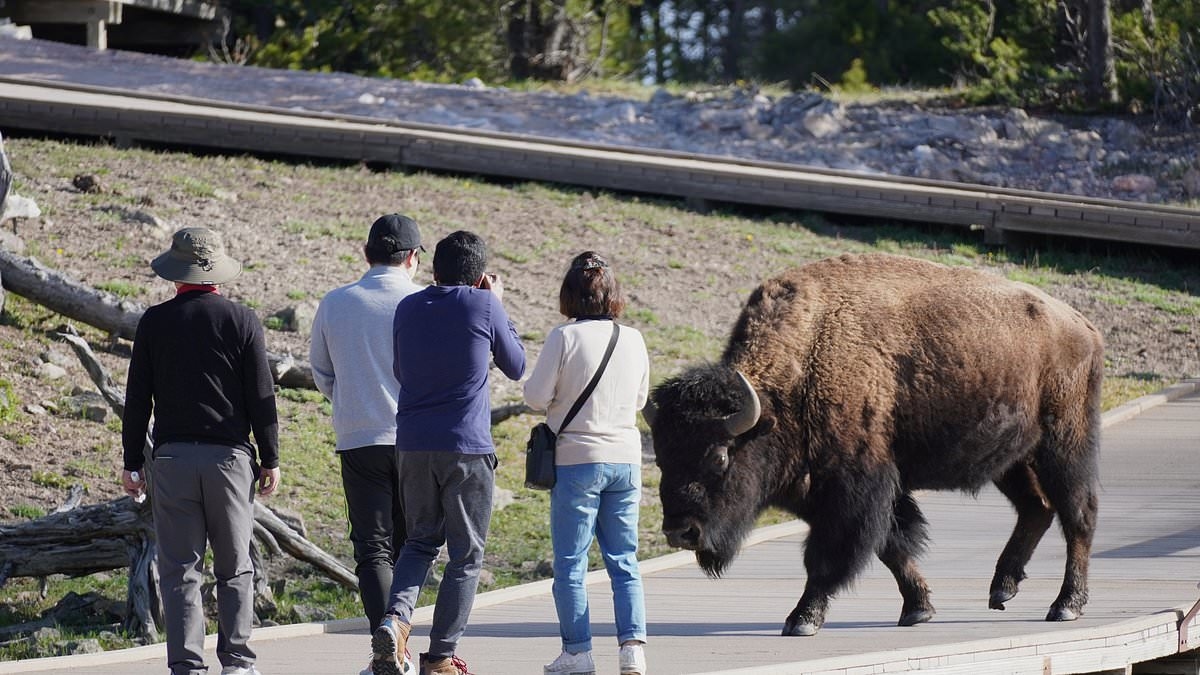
[[130, 117], [1143, 580]]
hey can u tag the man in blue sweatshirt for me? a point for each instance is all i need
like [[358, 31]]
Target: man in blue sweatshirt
[[351, 356], [445, 338]]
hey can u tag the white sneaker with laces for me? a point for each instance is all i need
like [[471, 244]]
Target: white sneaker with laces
[[633, 660], [240, 670], [571, 664], [406, 668]]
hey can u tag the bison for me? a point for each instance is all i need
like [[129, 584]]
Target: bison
[[850, 383]]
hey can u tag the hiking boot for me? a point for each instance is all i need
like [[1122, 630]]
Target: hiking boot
[[633, 660], [443, 665], [388, 643], [571, 664]]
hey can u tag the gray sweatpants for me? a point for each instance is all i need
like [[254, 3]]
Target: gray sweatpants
[[447, 499], [204, 492]]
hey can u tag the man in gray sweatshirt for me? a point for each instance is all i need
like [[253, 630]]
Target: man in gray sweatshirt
[[351, 355]]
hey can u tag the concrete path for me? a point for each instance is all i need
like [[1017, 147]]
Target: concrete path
[[1143, 579]]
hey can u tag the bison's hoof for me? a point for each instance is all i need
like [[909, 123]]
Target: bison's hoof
[[998, 598], [915, 617], [1062, 614], [801, 629]]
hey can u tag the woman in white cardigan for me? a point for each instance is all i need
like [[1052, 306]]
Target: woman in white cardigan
[[598, 460]]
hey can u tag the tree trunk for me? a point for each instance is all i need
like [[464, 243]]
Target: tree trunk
[[731, 53], [1101, 74]]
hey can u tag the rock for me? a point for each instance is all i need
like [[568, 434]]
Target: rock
[[501, 498], [486, 578], [11, 30], [1191, 182], [16, 206], [88, 646], [226, 195], [34, 409], [56, 356], [87, 182], [824, 120], [11, 242], [474, 83], [295, 319], [89, 405], [50, 371], [1135, 183]]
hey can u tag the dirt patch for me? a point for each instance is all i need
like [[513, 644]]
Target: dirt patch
[[299, 229]]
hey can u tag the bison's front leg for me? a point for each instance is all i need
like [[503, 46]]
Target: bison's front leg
[[809, 614], [841, 539]]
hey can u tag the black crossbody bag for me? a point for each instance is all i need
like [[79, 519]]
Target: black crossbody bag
[[539, 450]]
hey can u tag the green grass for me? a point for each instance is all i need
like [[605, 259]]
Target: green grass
[[121, 289], [48, 479], [26, 511]]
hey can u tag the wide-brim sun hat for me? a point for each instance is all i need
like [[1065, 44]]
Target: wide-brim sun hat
[[197, 256]]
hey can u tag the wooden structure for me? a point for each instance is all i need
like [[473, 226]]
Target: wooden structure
[[130, 117], [97, 16]]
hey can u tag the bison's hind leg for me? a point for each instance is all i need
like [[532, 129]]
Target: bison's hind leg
[[1034, 515], [905, 543]]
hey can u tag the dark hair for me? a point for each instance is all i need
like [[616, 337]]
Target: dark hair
[[380, 253], [590, 288], [460, 259]]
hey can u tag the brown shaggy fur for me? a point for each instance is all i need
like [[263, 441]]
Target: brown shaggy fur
[[880, 375]]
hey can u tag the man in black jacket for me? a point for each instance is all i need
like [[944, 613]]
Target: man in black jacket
[[199, 364]]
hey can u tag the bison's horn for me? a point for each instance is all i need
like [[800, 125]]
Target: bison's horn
[[649, 411], [744, 420]]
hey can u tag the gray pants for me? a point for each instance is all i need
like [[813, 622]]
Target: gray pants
[[377, 531], [447, 499], [204, 492]]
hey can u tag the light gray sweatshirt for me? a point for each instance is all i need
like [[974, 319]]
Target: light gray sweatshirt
[[351, 355]]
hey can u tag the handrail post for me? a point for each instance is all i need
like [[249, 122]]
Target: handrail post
[[1183, 626]]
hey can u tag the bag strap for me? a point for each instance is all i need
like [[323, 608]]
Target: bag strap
[[587, 391]]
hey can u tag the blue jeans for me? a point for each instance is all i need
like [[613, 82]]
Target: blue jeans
[[596, 499]]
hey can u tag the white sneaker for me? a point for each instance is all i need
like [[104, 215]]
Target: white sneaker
[[633, 660], [240, 670], [571, 664], [406, 668]]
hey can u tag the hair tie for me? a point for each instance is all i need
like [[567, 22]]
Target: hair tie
[[591, 264]]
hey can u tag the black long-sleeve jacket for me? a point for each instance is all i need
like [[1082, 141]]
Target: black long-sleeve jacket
[[200, 365]]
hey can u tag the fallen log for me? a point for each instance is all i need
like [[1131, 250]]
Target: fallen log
[[54, 290], [84, 540]]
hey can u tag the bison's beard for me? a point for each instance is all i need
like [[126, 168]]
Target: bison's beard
[[721, 545]]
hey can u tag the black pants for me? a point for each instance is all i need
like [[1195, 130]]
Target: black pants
[[377, 531]]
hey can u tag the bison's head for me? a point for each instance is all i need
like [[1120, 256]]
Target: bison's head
[[712, 484]]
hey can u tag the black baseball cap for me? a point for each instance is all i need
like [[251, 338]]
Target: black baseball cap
[[394, 232]]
